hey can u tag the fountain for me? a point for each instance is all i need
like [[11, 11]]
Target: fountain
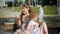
[[41, 14]]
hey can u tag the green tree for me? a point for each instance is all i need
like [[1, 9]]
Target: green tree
[[26, 1]]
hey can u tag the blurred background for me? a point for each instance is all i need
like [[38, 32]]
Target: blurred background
[[10, 8]]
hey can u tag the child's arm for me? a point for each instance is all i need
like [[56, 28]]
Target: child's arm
[[29, 25]]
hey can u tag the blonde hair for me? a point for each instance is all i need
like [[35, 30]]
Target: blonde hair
[[34, 15]]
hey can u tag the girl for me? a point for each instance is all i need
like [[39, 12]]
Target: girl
[[34, 27], [24, 18]]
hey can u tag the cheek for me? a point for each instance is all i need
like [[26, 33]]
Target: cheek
[[36, 18], [26, 9]]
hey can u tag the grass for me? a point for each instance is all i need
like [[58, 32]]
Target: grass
[[49, 10]]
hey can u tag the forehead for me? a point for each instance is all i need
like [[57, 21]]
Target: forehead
[[24, 7]]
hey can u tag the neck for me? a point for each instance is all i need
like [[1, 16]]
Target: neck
[[27, 14]]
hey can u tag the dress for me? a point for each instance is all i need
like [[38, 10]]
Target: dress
[[25, 22], [35, 29], [23, 27]]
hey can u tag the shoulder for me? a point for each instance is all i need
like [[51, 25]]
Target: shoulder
[[31, 22]]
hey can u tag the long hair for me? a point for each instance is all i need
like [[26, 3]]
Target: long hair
[[27, 6], [30, 11], [33, 16]]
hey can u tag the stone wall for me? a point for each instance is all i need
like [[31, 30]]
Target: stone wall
[[53, 23]]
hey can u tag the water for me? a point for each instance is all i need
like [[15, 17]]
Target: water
[[41, 14]]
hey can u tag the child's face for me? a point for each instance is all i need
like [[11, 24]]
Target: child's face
[[35, 18]]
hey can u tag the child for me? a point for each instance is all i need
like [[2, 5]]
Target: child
[[33, 25]]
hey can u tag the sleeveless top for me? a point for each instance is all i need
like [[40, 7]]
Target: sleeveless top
[[36, 29], [25, 22]]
